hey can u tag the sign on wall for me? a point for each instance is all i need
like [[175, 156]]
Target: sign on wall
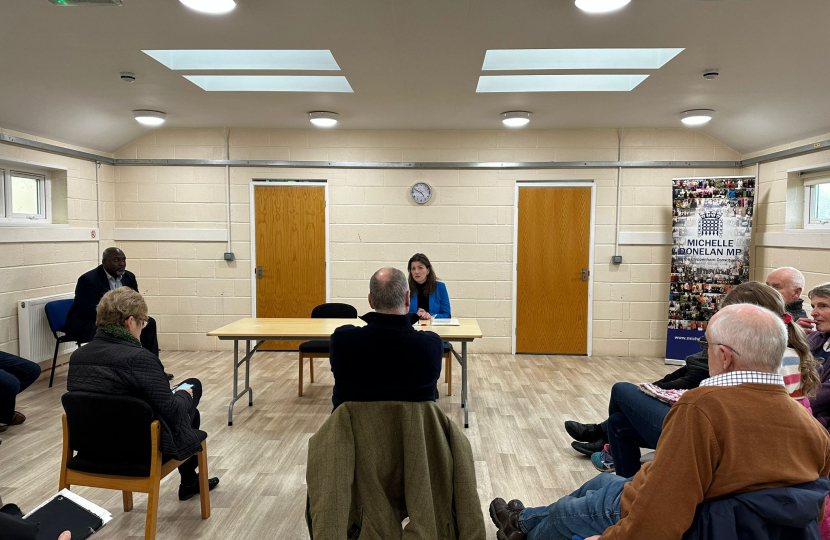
[[711, 235]]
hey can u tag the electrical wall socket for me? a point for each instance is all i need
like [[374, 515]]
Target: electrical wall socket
[[229, 256]]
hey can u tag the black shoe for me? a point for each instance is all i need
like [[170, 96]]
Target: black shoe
[[584, 432], [515, 505], [169, 376], [588, 448], [186, 492]]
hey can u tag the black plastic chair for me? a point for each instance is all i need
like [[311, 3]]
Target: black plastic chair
[[56, 312], [117, 443], [320, 348]]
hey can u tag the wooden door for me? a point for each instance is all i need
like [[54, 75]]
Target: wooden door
[[553, 248], [291, 253]]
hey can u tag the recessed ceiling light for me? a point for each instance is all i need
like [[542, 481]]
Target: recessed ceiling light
[[600, 6], [271, 83], [515, 118], [323, 119], [214, 7], [310, 60], [150, 118], [559, 83], [526, 59], [696, 117]]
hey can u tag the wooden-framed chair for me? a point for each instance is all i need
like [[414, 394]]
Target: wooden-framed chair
[[117, 445], [320, 348]]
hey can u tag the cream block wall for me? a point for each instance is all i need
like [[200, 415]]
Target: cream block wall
[[466, 230], [772, 218], [30, 270]]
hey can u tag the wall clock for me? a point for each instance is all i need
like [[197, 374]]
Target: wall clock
[[421, 192]]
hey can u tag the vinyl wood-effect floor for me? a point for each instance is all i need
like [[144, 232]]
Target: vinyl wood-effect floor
[[517, 407]]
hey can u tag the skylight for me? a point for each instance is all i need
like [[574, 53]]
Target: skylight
[[559, 83], [528, 59], [312, 60], [270, 83]]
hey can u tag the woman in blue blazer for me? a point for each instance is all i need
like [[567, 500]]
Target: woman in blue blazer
[[428, 296]]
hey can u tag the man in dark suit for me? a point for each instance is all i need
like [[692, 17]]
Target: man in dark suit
[[111, 274], [386, 360]]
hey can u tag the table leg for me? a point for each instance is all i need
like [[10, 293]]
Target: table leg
[[248, 373], [464, 402], [235, 395], [236, 363]]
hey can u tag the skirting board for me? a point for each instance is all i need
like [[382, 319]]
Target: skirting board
[[46, 233], [171, 235]]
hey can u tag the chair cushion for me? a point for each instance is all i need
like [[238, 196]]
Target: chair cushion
[[112, 466], [315, 347]]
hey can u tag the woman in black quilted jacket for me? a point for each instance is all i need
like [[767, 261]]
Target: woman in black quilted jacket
[[115, 363]]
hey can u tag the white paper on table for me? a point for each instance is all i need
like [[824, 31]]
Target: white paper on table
[[445, 322]]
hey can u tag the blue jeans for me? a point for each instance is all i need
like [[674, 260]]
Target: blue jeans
[[635, 421], [16, 374], [587, 511]]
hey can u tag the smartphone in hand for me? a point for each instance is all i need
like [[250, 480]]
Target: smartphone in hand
[[182, 386]]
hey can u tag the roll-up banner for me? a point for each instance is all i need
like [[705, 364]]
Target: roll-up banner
[[711, 235]]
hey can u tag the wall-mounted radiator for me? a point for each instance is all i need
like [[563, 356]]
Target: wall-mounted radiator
[[36, 340]]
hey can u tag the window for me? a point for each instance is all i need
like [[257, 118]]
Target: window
[[24, 195], [816, 200], [820, 203]]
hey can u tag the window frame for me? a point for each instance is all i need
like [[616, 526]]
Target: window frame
[[7, 215], [810, 193]]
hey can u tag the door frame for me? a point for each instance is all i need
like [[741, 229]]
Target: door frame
[[252, 218], [555, 184]]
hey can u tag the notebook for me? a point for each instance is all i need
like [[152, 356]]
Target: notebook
[[67, 512]]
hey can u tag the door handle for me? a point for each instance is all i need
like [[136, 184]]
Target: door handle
[[585, 274], [259, 272]]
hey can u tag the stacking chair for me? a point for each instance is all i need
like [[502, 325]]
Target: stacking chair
[[112, 442], [56, 312], [320, 348]]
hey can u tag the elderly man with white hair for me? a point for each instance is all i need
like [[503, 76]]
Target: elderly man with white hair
[[737, 433], [789, 282]]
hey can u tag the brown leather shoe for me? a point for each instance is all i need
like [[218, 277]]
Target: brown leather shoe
[[506, 519], [18, 419]]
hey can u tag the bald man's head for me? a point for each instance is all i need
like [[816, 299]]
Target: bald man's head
[[788, 281], [389, 291], [745, 337], [114, 261]]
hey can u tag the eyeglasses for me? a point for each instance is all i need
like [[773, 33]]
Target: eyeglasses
[[704, 345], [142, 322], [728, 347]]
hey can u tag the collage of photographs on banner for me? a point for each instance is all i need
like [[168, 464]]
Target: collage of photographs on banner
[[711, 236]]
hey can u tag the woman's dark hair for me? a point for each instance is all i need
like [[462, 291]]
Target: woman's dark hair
[[429, 284]]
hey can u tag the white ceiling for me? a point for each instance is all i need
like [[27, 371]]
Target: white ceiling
[[414, 64]]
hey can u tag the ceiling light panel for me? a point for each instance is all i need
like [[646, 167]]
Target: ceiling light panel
[[529, 59], [270, 83], [559, 83], [312, 60]]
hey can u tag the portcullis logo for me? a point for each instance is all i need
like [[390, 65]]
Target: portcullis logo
[[710, 224]]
